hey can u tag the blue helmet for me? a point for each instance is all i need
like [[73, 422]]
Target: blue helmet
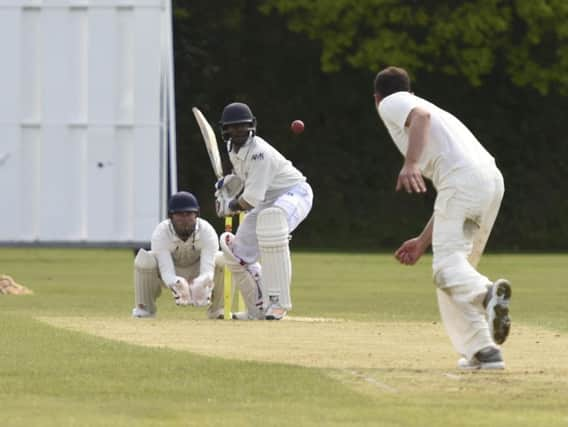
[[183, 201], [237, 113]]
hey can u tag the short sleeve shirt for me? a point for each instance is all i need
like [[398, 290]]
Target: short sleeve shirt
[[450, 145], [201, 247], [265, 172]]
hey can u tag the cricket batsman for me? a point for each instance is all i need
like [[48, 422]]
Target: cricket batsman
[[276, 197], [183, 255], [438, 146]]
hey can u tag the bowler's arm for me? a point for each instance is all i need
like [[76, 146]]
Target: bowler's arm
[[418, 124], [426, 235], [410, 177]]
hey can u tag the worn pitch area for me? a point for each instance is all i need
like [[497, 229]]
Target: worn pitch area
[[325, 343]]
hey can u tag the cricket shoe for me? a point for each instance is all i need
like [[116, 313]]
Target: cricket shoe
[[220, 314], [139, 313], [216, 314], [486, 358], [499, 297], [275, 312], [242, 315]]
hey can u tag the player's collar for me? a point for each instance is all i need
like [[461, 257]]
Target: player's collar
[[243, 152]]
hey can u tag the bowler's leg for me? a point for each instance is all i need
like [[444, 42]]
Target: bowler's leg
[[461, 288], [498, 298], [488, 217]]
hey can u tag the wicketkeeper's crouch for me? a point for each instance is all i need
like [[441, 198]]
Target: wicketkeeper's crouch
[[277, 199], [183, 256]]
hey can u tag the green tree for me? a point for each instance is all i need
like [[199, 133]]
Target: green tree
[[238, 53], [526, 39]]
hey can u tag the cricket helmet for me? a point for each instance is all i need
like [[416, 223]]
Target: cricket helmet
[[183, 201], [237, 113]]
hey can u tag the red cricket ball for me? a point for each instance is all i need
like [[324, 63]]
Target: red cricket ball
[[297, 126]]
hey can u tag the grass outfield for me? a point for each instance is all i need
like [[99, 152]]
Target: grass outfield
[[364, 346]]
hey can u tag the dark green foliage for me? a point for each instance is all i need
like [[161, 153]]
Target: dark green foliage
[[237, 52], [471, 39]]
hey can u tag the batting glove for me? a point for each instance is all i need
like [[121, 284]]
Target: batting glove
[[230, 185], [223, 206]]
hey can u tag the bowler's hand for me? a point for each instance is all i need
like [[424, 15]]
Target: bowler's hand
[[410, 251], [410, 179]]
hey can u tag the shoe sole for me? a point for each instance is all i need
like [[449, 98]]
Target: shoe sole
[[238, 316], [492, 365], [481, 366], [275, 313], [243, 316], [274, 316], [465, 365], [499, 320]]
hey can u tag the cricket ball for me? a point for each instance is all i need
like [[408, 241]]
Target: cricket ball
[[297, 126]]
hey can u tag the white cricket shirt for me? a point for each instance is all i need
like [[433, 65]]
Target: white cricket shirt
[[450, 144], [265, 172], [171, 251]]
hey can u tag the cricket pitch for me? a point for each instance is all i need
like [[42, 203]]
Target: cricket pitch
[[323, 343]]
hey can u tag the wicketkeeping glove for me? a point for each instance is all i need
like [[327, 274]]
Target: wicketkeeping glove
[[180, 291], [200, 290]]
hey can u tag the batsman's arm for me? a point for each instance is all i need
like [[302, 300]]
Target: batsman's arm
[[258, 176]]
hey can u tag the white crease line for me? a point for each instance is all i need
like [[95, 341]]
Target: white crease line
[[313, 319], [374, 382], [452, 376]]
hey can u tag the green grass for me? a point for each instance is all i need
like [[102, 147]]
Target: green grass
[[55, 377]]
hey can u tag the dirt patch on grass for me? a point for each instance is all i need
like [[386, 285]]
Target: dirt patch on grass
[[326, 343]]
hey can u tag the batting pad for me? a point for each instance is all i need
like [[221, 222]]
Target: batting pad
[[273, 243], [246, 277], [217, 300], [147, 283]]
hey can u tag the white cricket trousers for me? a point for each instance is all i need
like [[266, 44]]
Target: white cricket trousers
[[464, 213], [296, 202]]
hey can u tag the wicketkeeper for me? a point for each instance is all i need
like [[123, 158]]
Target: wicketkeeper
[[277, 199], [184, 250]]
